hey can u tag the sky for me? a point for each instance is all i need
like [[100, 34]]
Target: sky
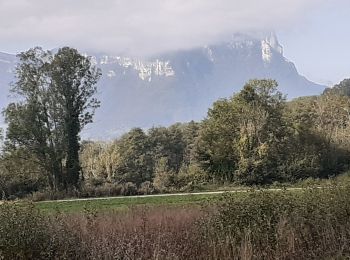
[[314, 33]]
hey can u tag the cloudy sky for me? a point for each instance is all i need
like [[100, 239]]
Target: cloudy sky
[[315, 33]]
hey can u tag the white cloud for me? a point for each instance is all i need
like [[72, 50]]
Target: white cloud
[[137, 26]]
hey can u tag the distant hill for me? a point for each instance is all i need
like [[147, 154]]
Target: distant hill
[[181, 85]]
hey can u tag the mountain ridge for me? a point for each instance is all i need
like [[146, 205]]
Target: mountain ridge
[[180, 85]]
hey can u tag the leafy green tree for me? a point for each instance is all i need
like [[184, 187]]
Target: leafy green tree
[[325, 122], [74, 82], [190, 137], [164, 178], [167, 143], [262, 131], [20, 174], [98, 160], [134, 162], [242, 138], [214, 148], [56, 101], [341, 89]]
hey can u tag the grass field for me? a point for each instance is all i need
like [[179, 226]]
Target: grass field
[[124, 203]]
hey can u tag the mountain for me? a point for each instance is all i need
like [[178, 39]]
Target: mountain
[[7, 64], [181, 85]]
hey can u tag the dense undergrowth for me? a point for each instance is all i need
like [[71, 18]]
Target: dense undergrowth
[[309, 224]]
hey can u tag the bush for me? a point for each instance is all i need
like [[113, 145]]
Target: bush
[[90, 191], [192, 175], [53, 195], [284, 225], [26, 234], [129, 189], [147, 188], [107, 190]]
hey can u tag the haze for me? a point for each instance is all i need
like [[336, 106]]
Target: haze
[[311, 30]]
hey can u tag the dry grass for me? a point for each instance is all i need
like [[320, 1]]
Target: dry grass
[[162, 233]]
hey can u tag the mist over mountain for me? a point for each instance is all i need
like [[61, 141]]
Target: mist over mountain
[[179, 86]]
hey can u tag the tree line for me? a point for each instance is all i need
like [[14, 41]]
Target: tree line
[[255, 137]]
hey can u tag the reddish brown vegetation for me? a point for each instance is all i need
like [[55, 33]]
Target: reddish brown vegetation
[[140, 234]]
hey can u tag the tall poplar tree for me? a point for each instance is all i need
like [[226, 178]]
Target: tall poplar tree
[[55, 101]]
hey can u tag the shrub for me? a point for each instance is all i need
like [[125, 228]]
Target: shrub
[[129, 189], [284, 225], [27, 234], [52, 195], [192, 175], [147, 188], [107, 190]]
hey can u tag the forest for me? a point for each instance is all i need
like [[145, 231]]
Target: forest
[[256, 137]]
